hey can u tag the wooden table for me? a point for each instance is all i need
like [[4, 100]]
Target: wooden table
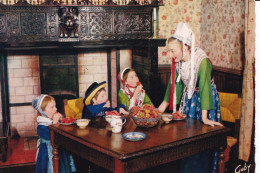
[[4, 130], [163, 144]]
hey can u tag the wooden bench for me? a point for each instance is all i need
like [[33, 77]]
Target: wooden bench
[[4, 130]]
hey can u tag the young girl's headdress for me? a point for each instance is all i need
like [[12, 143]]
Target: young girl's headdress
[[36, 103], [121, 75]]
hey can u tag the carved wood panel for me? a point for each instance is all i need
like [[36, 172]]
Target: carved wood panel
[[138, 22], [119, 21], [13, 24], [43, 23], [52, 24], [2, 25], [100, 24], [33, 23]]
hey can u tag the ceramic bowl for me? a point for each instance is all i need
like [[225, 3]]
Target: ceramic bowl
[[146, 122], [167, 118], [82, 123]]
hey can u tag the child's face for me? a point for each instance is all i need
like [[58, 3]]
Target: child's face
[[101, 98], [50, 109], [132, 79]]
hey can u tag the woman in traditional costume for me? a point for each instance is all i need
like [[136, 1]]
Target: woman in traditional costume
[[192, 88]]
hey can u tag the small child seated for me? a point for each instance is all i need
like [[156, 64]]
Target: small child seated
[[47, 115], [132, 93], [96, 102]]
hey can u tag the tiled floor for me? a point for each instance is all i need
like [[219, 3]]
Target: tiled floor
[[20, 151]]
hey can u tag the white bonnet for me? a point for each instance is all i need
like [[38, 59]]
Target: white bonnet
[[184, 34]]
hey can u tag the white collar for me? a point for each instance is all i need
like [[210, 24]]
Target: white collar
[[44, 121]]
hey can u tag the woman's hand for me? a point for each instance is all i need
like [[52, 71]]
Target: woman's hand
[[205, 120], [163, 106], [123, 111], [211, 123], [56, 117]]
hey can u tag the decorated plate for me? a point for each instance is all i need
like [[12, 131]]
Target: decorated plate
[[134, 136], [67, 121]]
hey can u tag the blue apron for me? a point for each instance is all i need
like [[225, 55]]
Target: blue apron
[[205, 162]]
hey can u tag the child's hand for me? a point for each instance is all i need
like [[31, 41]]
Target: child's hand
[[56, 117], [123, 111], [139, 88], [107, 104]]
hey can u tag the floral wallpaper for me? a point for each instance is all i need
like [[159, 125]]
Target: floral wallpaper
[[173, 12], [217, 24]]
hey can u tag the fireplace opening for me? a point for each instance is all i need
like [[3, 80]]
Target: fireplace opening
[[59, 75]]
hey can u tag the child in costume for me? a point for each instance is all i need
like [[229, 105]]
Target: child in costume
[[132, 93], [96, 102], [193, 88], [48, 115]]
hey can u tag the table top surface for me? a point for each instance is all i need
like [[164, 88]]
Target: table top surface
[[97, 135]]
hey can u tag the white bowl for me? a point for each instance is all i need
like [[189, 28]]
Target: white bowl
[[82, 123], [167, 118]]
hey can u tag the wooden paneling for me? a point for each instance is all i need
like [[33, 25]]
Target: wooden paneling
[[145, 63], [228, 80]]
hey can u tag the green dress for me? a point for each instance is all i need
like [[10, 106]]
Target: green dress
[[203, 83], [125, 99]]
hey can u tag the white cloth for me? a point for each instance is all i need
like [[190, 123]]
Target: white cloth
[[44, 121], [139, 100]]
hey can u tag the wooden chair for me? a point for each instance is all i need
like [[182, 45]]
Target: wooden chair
[[230, 108], [73, 108]]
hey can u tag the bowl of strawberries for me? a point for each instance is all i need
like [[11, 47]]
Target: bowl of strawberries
[[145, 116]]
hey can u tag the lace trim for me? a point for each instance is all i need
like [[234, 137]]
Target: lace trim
[[184, 69]]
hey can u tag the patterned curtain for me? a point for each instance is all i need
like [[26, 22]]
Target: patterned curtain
[[247, 110]]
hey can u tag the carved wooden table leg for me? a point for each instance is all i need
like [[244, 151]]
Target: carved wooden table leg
[[55, 152], [55, 159], [221, 163], [119, 166]]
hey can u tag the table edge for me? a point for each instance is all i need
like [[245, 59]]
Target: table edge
[[222, 131]]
